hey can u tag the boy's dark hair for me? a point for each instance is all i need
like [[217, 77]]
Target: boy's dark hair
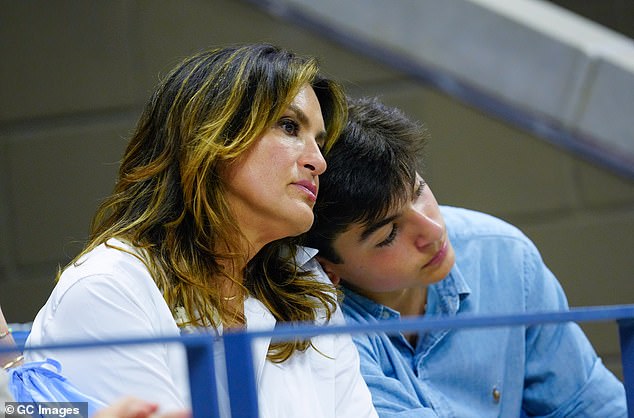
[[371, 170]]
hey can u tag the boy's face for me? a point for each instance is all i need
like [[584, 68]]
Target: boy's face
[[408, 248]]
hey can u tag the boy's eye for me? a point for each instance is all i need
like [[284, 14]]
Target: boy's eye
[[390, 238], [419, 189], [289, 126]]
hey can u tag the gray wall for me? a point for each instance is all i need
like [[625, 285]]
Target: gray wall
[[74, 78]]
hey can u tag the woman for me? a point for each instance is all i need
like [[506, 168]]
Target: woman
[[220, 174]]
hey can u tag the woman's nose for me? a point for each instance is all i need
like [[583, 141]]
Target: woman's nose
[[313, 159]]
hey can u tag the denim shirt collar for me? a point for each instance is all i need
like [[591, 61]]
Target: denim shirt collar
[[376, 310], [443, 298]]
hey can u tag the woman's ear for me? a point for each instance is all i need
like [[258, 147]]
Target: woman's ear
[[328, 269]]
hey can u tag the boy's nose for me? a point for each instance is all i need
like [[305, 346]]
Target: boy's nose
[[428, 229]]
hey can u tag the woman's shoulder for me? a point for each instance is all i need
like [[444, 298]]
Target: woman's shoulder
[[104, 293], [113, 267], [107, 258]]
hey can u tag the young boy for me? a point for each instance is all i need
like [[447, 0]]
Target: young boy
[[382, 235]]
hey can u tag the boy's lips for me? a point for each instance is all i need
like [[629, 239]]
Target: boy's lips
[[439, 256]]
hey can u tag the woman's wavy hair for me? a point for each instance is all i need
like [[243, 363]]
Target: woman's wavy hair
[[169, 197]]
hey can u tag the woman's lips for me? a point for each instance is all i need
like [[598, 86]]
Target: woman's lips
[[309, 188]]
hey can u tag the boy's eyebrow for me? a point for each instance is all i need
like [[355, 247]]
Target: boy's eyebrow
[[369, 230], [303, 119]]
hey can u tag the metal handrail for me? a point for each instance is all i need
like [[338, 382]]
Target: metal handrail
[[240, 373]]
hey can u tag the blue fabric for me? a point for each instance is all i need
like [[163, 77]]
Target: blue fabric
[[547, 370], [19, 335], [40, 381]]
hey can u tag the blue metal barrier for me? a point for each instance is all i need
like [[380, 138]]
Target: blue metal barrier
[[626, 335], [240, 373]]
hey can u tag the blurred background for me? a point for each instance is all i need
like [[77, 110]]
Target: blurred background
[[529, 104]]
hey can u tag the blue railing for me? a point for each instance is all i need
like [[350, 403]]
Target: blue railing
[[241, 377]]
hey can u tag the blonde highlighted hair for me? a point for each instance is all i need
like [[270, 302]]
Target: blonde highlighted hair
[[169, 198]]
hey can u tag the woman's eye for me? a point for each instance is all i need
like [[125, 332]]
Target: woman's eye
[[289, 126], [390, 238]]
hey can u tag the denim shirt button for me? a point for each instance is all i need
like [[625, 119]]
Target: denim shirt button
[[385, 315], [496, 395]]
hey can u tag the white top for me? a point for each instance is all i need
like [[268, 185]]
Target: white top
[[110, 295]]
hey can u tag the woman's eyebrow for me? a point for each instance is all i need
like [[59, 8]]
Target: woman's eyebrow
[[303, 119]]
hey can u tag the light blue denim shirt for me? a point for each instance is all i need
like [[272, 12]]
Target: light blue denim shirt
[[545, 370]]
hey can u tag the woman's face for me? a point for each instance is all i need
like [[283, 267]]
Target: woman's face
[[272, 188]]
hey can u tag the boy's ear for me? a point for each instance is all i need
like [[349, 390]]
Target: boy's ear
[[328, 269]]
